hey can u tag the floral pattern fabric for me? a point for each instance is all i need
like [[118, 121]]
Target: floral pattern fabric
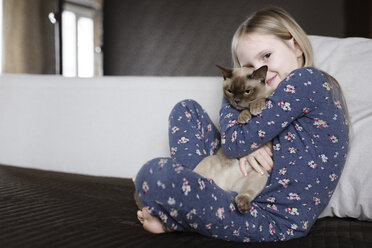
[[310, 142]]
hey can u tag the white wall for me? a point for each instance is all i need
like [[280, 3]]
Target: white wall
[[106, 126]]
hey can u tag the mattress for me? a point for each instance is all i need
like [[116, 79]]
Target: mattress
[[53, 209]]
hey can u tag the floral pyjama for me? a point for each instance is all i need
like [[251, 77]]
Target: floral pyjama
[[310, 141]]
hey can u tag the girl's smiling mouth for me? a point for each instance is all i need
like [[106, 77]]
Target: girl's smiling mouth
[[270, 80]]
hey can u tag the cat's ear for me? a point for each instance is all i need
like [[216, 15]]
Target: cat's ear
[[226, 72], [260, 73]]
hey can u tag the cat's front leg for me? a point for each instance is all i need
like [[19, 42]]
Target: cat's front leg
[[257, 106], [243, 201], [244, 116]]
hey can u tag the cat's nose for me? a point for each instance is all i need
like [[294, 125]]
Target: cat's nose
[[236, 100]]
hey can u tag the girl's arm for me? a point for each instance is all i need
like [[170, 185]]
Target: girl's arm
[[297, 95]]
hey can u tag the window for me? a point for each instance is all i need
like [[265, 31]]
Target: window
[[85, 47], [69, 53], [78, 41]]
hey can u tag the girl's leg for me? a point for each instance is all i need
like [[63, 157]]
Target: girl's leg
[[184, 200], [150, 184], [192, 134]]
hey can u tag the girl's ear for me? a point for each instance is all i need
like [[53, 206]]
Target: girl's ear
[[296, 47]]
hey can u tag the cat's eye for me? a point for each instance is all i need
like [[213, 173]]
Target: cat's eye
[[229, 91], [267, 56], [247, 92]]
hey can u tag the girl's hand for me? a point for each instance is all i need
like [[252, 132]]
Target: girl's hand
[[260, 160]]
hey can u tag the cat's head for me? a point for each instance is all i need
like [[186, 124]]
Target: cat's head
[[243, 85]]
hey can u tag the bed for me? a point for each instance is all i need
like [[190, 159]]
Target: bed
[[52, 209]]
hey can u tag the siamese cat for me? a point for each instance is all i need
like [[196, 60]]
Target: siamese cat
[[246, 90]]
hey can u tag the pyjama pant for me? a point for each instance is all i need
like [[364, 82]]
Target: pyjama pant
[[181, 198]]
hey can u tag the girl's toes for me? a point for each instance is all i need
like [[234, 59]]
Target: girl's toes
[[140, 216]]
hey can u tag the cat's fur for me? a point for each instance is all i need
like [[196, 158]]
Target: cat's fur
[[226, 173], [246, 90]]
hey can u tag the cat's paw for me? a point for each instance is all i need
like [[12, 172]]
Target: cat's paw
[[244, 116], [243, 202], [256, 107]]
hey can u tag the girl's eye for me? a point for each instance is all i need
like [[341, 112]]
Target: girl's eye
[[267, 56]]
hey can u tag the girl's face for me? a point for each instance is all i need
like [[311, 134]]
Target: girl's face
[[281, 56]]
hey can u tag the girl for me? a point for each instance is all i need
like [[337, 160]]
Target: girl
[[305, 118]]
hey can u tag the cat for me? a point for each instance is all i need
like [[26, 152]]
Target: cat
[[246, 90]]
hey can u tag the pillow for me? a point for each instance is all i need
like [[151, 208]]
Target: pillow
[[349, 60]]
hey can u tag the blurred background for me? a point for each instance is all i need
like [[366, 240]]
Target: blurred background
[[86, 38]]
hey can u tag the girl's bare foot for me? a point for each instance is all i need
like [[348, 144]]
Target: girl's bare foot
[[150, 223]]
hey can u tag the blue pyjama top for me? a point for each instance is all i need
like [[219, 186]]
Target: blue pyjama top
[[310, 141]]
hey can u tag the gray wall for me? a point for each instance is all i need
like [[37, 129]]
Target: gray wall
[[188, 37]]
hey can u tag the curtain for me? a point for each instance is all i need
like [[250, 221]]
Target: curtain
[[28, 37]]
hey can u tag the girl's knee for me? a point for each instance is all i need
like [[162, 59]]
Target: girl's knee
[[154, 169], [186, 104]]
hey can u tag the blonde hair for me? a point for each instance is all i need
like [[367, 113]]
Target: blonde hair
[[278, 22]]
